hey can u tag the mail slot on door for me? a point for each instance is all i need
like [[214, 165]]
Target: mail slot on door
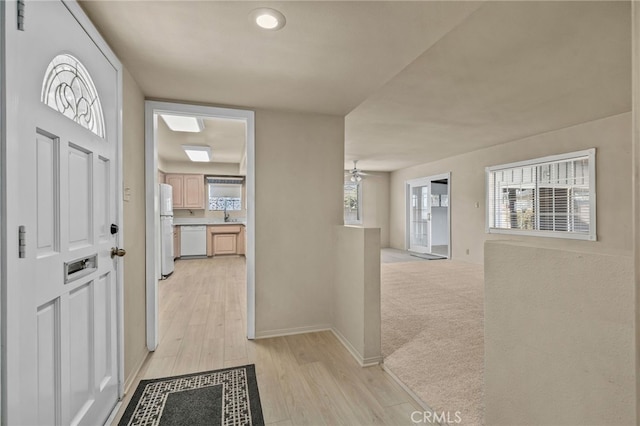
[[80, 268]]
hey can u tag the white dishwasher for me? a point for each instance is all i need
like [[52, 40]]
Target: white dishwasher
[[193, 240]]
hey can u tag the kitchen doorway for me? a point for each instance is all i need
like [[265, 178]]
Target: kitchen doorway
[[153, 110], [428, 231]]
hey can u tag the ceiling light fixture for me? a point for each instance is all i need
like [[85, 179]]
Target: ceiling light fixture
[[198, 153], [267, 19], [182, 123]]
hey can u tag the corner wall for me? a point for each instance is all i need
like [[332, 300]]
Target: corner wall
[[356, 292], [135, 348], [559, 336], [610, 136], [299, 178], [375, 203]]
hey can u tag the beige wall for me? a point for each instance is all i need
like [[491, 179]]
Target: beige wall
[[356, 292], [610, 136], [375, 204], [299, 176], [135, 347], [559, 336], [636, 183]]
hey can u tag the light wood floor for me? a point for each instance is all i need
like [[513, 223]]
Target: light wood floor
[[306, 379]]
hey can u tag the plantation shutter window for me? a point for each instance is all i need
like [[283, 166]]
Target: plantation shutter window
[[550, 197]]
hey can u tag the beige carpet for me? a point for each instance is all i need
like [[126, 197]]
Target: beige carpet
[[432, 333]]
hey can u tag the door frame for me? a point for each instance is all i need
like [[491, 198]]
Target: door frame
[[8, 191], [428, 180], [152, 109]]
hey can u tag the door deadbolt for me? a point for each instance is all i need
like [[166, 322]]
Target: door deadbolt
[[115, 251]]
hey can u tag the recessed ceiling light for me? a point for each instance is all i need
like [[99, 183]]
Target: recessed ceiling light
[[198, 153], [267, 19], [182, 123]]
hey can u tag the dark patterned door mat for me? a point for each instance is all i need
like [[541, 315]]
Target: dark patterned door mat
[[220, 397]]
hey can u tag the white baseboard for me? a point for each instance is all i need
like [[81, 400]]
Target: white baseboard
[[371, 361], [114, 413], [132, 377], [291, 331], [364, 362]]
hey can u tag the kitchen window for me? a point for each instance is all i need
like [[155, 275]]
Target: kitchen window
[[225, 193], [352, 203], [550, 197]]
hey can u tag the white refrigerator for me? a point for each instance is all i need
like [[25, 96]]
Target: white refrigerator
[[166, 229]]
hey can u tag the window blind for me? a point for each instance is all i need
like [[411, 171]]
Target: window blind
[[552, 196], [225, 193], [352, 203]]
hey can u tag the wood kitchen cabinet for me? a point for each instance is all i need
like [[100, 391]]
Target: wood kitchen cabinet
[[188, 190], [193, 191], [225, 239], [176, 183], [241, 244], [224, 244], [176, 242]]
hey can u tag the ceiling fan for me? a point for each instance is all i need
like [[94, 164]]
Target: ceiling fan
[[355, 173]]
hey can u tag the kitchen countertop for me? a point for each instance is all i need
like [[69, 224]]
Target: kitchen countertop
[[204, 221]]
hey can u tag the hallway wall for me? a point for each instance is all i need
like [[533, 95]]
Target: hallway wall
[[135, 347], [299, 177]]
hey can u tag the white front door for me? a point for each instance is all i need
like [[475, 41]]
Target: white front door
[[419, 208], [60, 310]]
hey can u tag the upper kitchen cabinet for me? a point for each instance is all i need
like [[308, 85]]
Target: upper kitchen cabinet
[[188, 190], [176, 182], [193, 191]]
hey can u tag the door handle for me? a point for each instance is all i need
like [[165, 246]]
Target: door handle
[[115, 251]]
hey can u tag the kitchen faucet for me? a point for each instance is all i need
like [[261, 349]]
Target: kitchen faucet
[[226, 215]]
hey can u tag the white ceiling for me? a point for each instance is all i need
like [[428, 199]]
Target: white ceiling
[[225, 137], [419, 80], [511, 70]]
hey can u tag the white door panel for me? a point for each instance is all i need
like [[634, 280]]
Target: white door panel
[[47, 362], [419, 205], [47, 194], [79, 171], [61, 309], [428, 218]]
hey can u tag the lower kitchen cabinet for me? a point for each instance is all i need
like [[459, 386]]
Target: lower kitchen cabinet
[[176, 242], [241, 243], [225, 239], [224, 244]]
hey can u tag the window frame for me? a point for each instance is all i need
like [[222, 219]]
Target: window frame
[[208, 184], [359, 195], [590, 154]]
